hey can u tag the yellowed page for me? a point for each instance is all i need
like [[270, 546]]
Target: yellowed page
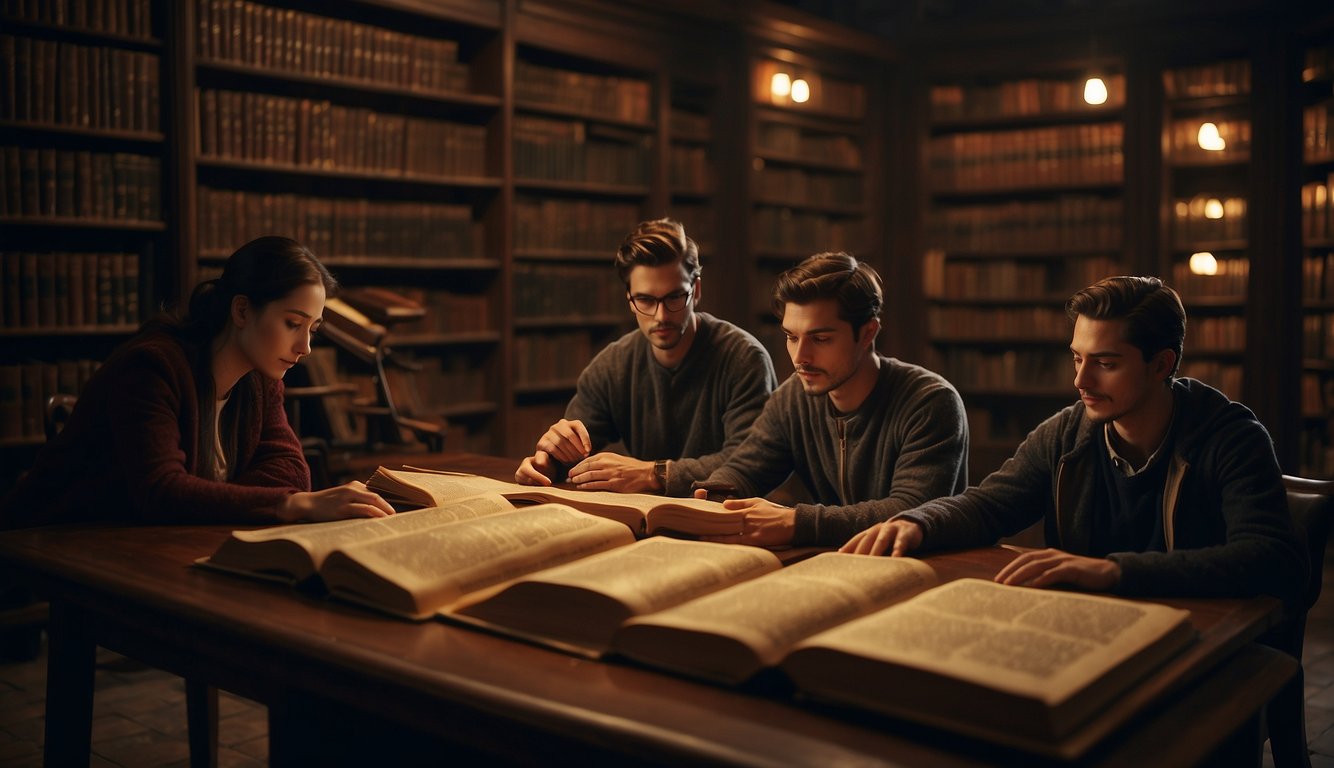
[[772, 613], [319, 539], [441, 487], [1035, 643], [420, 574]]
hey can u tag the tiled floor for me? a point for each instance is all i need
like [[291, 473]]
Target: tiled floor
[[139, 714]]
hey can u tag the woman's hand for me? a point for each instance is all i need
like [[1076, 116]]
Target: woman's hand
[[341, 502]]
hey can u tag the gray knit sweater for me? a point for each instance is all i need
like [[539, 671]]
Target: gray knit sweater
[[905, 445], [696, 414]]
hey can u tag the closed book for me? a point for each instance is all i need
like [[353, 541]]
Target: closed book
[[76, 299], [47, 180], [13, 288], [28, 280], [46, 290]]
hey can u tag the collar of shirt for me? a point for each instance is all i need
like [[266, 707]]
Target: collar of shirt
[[1122, 465]]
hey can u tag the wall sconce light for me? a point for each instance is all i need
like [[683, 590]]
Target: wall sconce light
[[780, 85], [1209, 139], [1095, 91], [1213, 208], [1203, 263], [801, 91]]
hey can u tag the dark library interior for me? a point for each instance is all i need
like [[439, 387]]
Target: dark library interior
[[466, 168]]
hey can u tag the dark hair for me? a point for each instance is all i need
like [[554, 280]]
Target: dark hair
[[655, 243], [839, 276], [263, 270], [1155, 319]]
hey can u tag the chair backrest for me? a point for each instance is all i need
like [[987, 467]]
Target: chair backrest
[[1311, 504]]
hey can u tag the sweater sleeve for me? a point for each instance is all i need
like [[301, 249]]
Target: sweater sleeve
[[764, 459], [277, 460], [750, 379], [1006, 502], [1259, 555], [146, 411], [931, 462]]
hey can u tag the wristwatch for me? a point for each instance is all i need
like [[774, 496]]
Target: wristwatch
[[660, 474]]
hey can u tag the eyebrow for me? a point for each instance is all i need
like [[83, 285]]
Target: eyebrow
[[1073, 351], [811, 332], [303, 314]]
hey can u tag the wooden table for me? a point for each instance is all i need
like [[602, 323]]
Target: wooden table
[[334, 674]]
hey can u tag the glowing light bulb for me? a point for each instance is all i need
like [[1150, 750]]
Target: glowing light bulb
[[801, 91], [1203, 263], [1095, 91], [1209, 139], [1213, 208], [780, 85]]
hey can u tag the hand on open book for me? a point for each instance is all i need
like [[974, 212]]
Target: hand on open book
[[766, 524], [1045, 567], [566, 441], [340, 502], [535, 470], [897, 537], [609, 471]]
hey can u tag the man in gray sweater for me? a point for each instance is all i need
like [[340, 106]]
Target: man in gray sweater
[[1149, 485], [680, 392], [868, 435]]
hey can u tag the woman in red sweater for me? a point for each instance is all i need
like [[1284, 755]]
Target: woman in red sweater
[[185, 422]]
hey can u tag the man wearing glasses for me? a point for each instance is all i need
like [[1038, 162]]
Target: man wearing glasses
[[679, 393]]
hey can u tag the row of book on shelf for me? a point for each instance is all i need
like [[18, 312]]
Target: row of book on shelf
[[944, 277], [260, 35], [611, 96], [315, 133], [1317, 137], [1207, 217], [131, 18], [58, 290], [572, 150], [778, 228], [545, 223], [794, 142], [1318, 336], [1223, 78], [446, 311], [546, 291], [1318, 276], [1228, 281], [690, 169], [1069, 222], [1028, 369], [827, 95], [1051, 156], [25, 388], [581, 572], [79, 184], [346, 228], [551, 357], [1318, 210], [1026, 96], [1226, 377], [796, 186], [82, 86]]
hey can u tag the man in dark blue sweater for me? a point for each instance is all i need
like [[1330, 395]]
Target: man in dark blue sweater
[[1149, 485]]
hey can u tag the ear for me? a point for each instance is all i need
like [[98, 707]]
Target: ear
[[699, 291], [870, 329], [1163, 363], [240, 310]]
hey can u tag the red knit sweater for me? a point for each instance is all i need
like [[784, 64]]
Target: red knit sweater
[[128, 452]]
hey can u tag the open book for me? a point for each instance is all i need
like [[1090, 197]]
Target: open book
[[581, 605], [415, 564], [645, 514], [1013, 665]]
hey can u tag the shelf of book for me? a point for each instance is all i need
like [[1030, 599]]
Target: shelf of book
[[82, 146], [1024, 190], [1316, 449]]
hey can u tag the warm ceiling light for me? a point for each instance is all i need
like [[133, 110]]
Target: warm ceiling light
[[1213, 208], [1203, 263], [1095, 91], [801, 91], [1209, 139], [780, 85]]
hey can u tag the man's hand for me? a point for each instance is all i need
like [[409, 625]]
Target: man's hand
[[1045, 567], [566, 441], [766, 524], [338, 503], [535, 470], [897, 537], [608, 471]]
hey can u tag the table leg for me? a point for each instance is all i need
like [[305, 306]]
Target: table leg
[[201, 710], [69, 687]]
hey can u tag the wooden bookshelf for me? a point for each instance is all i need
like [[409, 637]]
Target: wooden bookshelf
[[82, 149], [1316, 447]]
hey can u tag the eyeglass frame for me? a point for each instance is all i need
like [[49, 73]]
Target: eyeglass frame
[[685, 295]]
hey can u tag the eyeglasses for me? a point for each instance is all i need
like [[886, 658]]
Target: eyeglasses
[[648, 305]]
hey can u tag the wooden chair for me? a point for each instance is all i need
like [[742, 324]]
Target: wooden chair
[[57, 412], [1311, 504]]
